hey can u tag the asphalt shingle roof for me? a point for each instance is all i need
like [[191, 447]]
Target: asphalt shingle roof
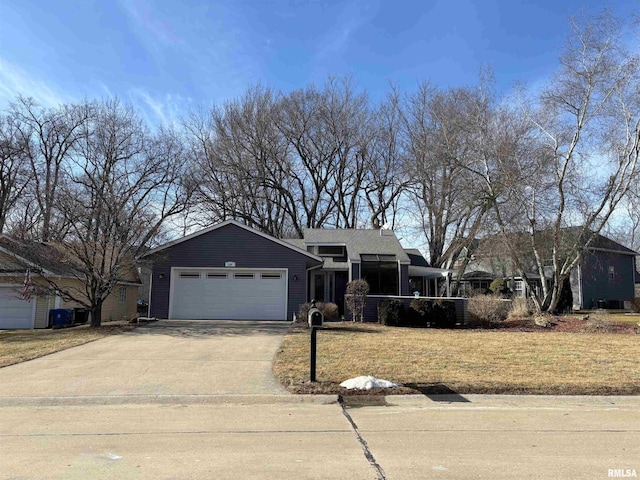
[[358, 242]]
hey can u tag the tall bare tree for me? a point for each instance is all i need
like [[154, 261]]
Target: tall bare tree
[[386, 173], [587, 132], [446, 131], [48, 135], [122, 185], [14, 168], [243, 160]]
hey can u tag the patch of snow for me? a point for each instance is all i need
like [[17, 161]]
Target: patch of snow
[[113, 456], [367, 382]]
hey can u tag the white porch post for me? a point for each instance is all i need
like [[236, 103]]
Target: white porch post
[[448, 286]]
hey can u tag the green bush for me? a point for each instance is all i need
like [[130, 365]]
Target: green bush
[[497, 286], [390, 312]]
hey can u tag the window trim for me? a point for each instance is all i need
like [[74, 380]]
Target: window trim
[[122, 295]]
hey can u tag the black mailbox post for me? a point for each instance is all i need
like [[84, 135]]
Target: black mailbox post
[[316, 320]]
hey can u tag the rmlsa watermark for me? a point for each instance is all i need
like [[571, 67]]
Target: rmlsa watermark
[[622, 473]]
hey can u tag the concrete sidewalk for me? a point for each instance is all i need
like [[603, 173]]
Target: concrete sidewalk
[[408, 438]]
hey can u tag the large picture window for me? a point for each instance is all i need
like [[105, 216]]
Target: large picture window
[[381, 273]]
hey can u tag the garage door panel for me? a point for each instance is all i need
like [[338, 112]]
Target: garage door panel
[[14, 311], [234, 295]]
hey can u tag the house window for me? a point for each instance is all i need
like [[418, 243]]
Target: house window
[[612, 272], [271, 276], [243, 276], [381, 273], [189, 275], [122, 295], [518, 287], [337, 252], [480, 285], [219, 276]]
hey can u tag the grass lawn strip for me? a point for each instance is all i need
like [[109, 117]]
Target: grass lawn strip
[[21, 345], [464, 361]]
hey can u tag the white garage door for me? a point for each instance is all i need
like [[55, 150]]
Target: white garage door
[[229, 294], [15, 312]]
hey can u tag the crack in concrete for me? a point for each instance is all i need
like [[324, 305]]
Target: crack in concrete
[[363, 443]]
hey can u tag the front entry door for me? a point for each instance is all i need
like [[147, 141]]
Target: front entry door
[[329, 287]]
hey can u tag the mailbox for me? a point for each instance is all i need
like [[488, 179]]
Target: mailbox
[[315, 317]]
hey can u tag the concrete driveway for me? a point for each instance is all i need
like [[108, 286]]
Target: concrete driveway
[[167, 358]]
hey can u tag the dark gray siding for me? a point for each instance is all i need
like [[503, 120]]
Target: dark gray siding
[[355, 271], [404, 280], [597, 284], [228, 244]]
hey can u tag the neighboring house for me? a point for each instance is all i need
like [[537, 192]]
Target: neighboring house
[[29, 307], [604, 277], [231, 271]]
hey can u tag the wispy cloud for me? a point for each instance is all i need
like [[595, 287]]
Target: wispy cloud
[[146, 17], [166, 109], [16, 81]]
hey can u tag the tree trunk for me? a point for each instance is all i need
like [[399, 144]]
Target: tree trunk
[[96, 315]]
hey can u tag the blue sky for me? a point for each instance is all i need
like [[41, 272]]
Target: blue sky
[[171, 57]]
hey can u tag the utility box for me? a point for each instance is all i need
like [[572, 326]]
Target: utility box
[[315, 317]]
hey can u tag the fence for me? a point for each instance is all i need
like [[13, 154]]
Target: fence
[[371, 307]]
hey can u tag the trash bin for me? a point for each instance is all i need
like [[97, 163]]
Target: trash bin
[[61, 317], [81, 315], [601, 304]]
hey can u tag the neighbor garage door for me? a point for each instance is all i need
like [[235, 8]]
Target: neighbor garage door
[[229, 294], [15, 312]]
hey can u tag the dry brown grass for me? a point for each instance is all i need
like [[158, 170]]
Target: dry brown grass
[[464, 361], [21, 345]]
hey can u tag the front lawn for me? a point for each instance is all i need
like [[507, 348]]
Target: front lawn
[[464, 361], [21, 345]]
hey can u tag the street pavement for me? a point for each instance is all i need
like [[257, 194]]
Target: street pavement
[[196, 400]]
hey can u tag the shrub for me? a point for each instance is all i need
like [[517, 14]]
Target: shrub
[[598, 323], [543, 320], [356, 298], [487, 309], [419, 312], [390, 311], [521, 307], [444, 313], [635, 304], [329, 310], [497, 286]]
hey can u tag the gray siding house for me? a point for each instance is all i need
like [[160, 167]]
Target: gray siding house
[[228, 271], [231, 271], [604, 277]]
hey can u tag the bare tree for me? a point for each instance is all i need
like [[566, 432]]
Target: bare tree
[[14, 171], [327, 167], [48, 136], [587, 132], [446, 131], [243, 161], [386, 177], [122, 184]]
